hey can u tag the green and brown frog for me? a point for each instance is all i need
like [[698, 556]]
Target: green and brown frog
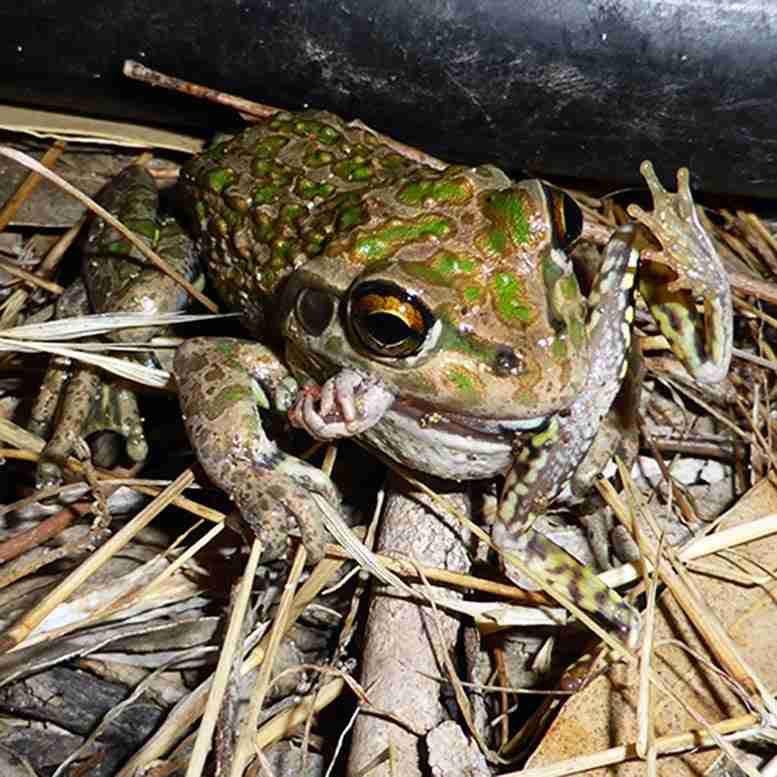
[[433, 312]]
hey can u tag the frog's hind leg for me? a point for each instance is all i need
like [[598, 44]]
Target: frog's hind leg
[[550, 457], [687, 268], [540, 468], [77, 401]]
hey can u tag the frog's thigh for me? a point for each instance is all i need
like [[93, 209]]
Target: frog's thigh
[[222, 383]]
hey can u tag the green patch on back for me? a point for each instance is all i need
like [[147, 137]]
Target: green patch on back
[[384, 241], [319, 157], [443, 268], [227, 348], [269, 146], [217, 180], [310, 190], [357, 169], [509, 226], [445, 190]]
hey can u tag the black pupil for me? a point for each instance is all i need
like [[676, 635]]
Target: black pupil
[[387, 329]]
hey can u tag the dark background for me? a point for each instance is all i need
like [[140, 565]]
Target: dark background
[[564, 87]]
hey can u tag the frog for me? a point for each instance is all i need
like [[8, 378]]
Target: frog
[[432, 311]]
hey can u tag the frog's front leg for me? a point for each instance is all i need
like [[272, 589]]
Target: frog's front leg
[[223, 382], [550, 457]]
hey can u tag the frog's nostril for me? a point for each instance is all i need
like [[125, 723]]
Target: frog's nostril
[[314, 310]]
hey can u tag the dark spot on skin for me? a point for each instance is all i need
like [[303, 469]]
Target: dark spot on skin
[[537, 547], [213, 374], [574, 589], [277, 492], [601, 599], [265, 504]]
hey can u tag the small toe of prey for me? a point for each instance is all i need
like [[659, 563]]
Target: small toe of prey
[[346, 405]]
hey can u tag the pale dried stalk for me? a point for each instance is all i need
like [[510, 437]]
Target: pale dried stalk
[[229, 648], [188, 710], [672, 744], [246, 741], [29, 184], [154, 258], [280, 725], [139, 72], [30, 620], [148, 376], [30, 277]]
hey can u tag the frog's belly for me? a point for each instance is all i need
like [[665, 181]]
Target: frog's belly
[[438, 450]]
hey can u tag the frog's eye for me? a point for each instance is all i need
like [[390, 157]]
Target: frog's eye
[[388, 320], [566, 217], [314, 310]]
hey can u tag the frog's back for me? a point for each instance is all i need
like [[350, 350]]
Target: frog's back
[[268, 199]]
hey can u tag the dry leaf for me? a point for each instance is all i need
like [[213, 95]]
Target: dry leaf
[[602, 715]]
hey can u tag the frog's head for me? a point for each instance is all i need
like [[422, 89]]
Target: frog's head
[[473, 310]]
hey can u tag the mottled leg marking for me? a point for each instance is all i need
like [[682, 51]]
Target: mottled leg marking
[[223, 382], [77, 401], [550, 456], [686, 268], [565, 574]]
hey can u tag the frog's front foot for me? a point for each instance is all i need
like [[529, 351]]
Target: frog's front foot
[[346, 405], [222, 384]]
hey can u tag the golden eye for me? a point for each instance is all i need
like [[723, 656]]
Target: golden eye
[[566, 216], [388, 320]]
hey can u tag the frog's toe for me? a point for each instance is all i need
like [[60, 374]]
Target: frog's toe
[[91, 407], [127, 422], [273, 502], [346, 405]]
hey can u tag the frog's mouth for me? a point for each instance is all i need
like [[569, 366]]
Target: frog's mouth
[[427, 417]]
